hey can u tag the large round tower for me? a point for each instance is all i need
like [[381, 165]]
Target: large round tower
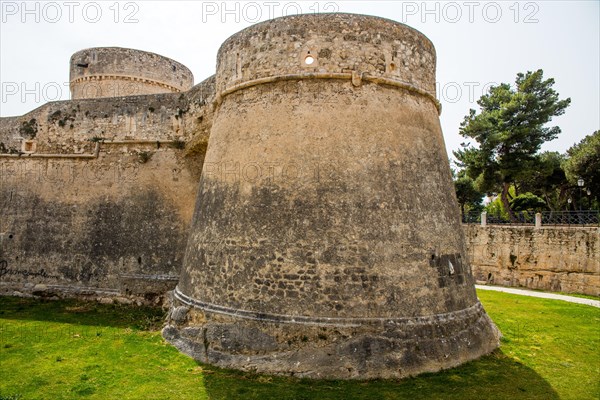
[[116, 71], [326, 240]]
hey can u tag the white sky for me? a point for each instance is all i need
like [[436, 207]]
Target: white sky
[[477, 43]]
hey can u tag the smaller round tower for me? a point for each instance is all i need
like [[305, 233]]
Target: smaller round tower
[[115, 71]]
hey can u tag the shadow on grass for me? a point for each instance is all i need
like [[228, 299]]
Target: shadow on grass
[[71, 311], [495, 376]]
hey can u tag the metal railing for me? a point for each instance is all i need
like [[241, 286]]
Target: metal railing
[[545, 218], [585, 217], [473, 217]]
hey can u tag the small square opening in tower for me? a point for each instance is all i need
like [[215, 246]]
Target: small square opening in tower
[[28, 146]]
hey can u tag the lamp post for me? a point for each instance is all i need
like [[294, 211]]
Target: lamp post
[[580, 183], [569, 201]]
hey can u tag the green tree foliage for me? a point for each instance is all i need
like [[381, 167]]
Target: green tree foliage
[[584, 162], [495, 209], [468, 197], [509, 130], [548, 180], [527, 202]]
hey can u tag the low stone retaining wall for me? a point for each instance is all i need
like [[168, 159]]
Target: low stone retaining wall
[[561, 259]]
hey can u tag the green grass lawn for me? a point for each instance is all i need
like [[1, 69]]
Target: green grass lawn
[[73, 350]]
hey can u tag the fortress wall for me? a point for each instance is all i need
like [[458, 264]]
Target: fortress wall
[[109, 224], [9, 128], [565, 259], [73, 127], [114, 71], [200, 100], [106, 217]]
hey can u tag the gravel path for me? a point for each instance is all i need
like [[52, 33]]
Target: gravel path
[[543, 295]]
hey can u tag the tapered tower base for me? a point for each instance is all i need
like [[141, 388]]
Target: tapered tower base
[[326, 240]]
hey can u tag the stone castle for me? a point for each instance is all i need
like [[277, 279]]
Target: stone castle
[[325, 238]]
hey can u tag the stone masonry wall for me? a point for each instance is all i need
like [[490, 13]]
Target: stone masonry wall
[[565, 259], [96, 195]]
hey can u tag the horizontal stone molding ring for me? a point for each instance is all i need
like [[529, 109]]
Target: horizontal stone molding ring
[[330, 75], [473, 310]]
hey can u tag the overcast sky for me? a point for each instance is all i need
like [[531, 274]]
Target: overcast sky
[[477, 42]]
